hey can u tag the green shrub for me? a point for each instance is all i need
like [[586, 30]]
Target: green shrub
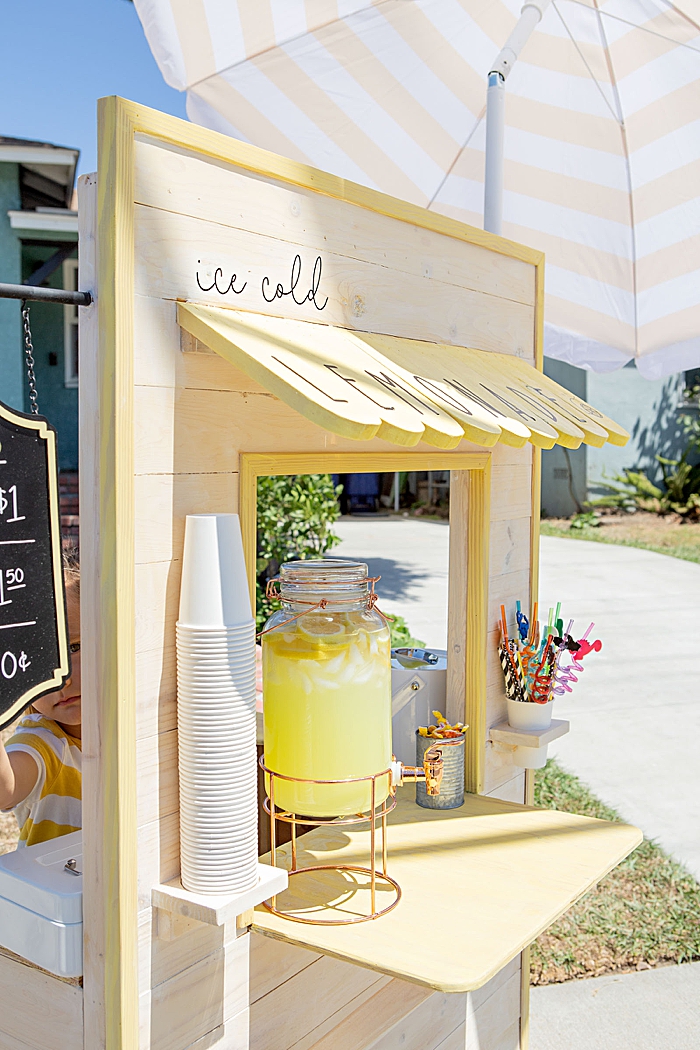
[[296, 514], [632, 490]]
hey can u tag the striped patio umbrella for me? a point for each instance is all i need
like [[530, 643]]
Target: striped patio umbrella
[[602, 140]]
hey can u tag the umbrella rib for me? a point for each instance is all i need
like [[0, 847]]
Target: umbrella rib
[[645, 29], [623, 130], [617, 117], [457, 155]]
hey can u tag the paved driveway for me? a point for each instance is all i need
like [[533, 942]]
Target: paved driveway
[[635, 715]]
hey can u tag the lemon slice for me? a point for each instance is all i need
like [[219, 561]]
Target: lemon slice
[[320, 628]]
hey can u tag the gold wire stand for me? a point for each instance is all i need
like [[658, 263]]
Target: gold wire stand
[[371, 817]]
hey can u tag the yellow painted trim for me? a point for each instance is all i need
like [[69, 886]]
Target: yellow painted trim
[[115, 283], [254, 465], [478, 531]]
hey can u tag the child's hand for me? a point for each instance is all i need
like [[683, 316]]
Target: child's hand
[[18, 775]]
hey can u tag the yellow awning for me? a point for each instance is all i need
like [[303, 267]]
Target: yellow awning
[[362, 385]]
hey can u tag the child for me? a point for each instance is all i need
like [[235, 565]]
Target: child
[[40, 767]]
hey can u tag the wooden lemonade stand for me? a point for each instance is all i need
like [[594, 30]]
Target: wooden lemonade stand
[[254, 316]]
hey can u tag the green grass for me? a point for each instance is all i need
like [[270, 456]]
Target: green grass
[[644, 913], [676, 543]]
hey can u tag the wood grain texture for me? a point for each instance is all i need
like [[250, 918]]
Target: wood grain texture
[[273, 963], [294, 1009], [164, 501], [197, 1000], [159, 856], [113, 844], [162, 959], [156, 689], [461, 861], [512, 492], [156, 758], [392, 1015], [150, 125], [510, 790], [38, 1012], [188, 185], [172, 249], [387, 1006]]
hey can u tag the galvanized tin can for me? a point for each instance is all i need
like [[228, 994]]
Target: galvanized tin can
[[452, 786]]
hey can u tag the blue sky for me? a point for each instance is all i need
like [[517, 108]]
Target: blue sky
[[57, 57]]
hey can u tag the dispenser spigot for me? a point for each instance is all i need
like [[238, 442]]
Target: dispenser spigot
[[431, 771]]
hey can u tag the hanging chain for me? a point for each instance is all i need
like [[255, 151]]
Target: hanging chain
[[29, 356]]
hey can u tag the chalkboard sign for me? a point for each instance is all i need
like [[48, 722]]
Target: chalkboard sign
[[34, 650]]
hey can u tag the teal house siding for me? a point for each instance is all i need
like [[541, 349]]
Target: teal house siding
[[36, 221], [648, 409], [11, 371]]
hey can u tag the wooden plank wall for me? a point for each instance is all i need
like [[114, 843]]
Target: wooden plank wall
[[37, 1011], [193, 415]]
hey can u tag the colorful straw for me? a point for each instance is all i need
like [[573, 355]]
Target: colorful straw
[[533, 658]]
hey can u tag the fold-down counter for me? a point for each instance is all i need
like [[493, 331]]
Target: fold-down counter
[[478, 884]]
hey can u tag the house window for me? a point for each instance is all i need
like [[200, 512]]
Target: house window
[[692, 385], [70, 325]]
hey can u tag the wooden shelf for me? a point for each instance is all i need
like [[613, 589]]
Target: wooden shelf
[[479, 884], [504, 733], [217, 909]]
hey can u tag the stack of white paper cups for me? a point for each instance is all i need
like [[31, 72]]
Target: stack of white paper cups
[[216, 711]]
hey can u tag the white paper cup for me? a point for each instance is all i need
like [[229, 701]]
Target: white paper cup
[[237, 768], [196, 745], [221, 839], [214, 586], [188, 630], [217, 802], [217, 868], [220, 730], [241, 678], [217, 864], [222, 697], [216, 805], [196, 754], [216, 739]]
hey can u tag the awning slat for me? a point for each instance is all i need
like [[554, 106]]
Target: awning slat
[[362, 385]]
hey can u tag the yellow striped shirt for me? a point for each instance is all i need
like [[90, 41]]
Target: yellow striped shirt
[[53, 807]]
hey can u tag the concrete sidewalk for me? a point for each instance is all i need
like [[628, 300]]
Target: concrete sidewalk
[[635, 714], [650, 1010], [411, 556]]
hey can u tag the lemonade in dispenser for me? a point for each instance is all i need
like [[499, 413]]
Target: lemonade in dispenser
[[326, 689]]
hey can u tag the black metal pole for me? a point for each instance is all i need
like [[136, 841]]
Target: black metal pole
[[44, 295]]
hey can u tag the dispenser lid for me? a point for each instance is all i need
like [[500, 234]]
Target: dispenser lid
[[36, 877], [413, 659]]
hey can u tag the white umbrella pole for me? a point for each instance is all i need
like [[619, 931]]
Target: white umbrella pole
[[493, 172], [530, 16]]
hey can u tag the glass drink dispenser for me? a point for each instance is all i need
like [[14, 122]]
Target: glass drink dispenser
[[326, 689]]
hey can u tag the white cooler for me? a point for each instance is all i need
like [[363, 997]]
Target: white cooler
[[418, 687], [41, 904]]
